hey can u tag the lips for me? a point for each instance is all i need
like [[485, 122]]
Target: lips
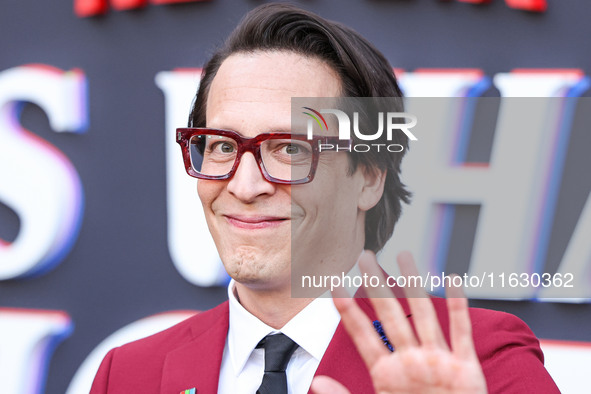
[[255, 221]]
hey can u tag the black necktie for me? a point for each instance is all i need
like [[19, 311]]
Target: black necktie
[[278, 351]]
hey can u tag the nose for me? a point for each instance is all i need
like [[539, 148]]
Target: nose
[[248, 182]]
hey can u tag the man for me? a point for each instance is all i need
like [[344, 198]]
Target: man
[[266, 191]]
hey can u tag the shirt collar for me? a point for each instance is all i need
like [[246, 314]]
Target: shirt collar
[[312, 329]]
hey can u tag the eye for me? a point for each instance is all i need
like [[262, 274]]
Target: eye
[[292, 149], [287, 151], [222, 147], [225, 147]]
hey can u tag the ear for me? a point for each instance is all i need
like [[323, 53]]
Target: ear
[[373, 188]]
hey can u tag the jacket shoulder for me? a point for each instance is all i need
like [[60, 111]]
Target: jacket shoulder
[[161, 343], [508, 350], [139, 364], [509, 353]]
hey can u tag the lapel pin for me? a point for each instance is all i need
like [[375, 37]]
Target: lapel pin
[[188, 391]]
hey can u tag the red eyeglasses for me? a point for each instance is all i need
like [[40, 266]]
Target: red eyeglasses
[[283, 158]]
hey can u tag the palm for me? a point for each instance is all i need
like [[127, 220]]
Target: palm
[[422, 362], [425, 371]]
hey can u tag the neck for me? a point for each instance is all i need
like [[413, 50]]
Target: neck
[[273, 308]]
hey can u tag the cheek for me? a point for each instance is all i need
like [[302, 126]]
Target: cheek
[[208, 191]]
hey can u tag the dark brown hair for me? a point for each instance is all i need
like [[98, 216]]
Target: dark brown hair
[[363, 70]]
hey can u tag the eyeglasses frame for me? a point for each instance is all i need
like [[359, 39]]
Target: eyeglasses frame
[[252, 145]]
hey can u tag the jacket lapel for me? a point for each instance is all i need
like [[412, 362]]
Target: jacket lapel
[[197, 363]]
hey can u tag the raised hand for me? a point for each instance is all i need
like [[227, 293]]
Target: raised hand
[[422, 362]]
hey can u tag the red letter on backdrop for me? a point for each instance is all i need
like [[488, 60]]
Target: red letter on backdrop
[[84, 8], [528, 5], [121, 5]]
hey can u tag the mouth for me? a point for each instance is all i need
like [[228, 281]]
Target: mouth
[[255, 222]]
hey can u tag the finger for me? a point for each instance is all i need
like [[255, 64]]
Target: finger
[[359, 327], [460, 326], [326, 385], [393, 318], [425, 318]]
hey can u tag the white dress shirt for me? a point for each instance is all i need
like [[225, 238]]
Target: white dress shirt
[[243, 365]]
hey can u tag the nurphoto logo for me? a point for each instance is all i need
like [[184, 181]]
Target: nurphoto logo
[[394, 122]]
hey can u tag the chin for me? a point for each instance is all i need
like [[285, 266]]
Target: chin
[[257, 270], [243, 261]]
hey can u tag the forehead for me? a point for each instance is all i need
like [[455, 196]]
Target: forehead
[[253, 88]]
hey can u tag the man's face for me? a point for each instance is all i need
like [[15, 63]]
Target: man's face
[[255, 223]]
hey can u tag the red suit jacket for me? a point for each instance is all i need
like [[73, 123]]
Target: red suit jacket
[[189, 354]]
